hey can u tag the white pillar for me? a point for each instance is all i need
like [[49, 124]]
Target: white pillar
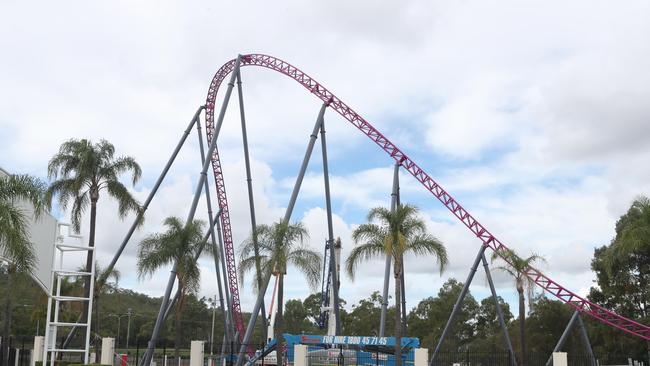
[[560, 359], [37, 354], [196, 353], [17, 358], [421, 357], [299, 355], [108, 349]]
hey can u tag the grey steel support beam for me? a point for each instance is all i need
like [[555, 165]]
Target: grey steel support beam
[[402, 284], [146, 360], [251, 201], [146, 203], [575, 318], [585, 341], [564, 336], [217, 256], [502, 322], [330, 229], [394, 202], [229, 319], [287, 217], [384, 297], [458, 304]]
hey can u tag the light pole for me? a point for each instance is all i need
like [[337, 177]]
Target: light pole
[[212, 331], [129, 312], [119, 318]]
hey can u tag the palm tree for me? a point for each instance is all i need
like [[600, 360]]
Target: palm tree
[[280, 245], [180, 244], [103, 286], [81, 171], [397, 233], [15, 244], [516, 267]]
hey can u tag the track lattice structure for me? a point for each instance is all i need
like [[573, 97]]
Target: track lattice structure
[[574, 300]]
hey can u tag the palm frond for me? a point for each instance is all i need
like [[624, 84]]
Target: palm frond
[[363, 252], [125, 201]]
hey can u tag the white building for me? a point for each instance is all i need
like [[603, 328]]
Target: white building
[[43, 233]]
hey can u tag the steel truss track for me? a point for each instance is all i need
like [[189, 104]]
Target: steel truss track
[[574, 300]]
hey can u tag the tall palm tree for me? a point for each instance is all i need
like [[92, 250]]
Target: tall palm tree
[[180, 244], [516, 267], [81, 171], [103, 286], [15, 244], [280, 245], [396, 234]]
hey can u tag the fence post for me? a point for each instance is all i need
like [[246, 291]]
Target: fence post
[[196, 353], [300, 355], [560, 359], [38, 349], [421, 357], [108, 348]]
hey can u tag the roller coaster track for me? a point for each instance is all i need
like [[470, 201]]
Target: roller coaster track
[[572, 299]]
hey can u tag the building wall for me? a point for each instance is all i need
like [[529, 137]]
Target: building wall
[[42, 232]]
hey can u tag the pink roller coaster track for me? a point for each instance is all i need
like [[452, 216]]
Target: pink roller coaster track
[[581, 304]]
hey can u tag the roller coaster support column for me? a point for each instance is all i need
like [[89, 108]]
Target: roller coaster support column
[[575, 318], [216, 254], [146, 361], [586, 342], [251, 202], [458, 304], [229, 319], [394, 202], [287, 217], [396, 197], [144, 207], [330, 230], [502, 322]]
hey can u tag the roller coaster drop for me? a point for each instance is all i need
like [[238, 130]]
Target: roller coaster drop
[[213, 126]]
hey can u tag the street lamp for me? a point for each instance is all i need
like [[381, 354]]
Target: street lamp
[[214, 303], [129, 312], [119, 318]]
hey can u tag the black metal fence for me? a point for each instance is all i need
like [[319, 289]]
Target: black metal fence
[[502, 358], [17, 349], [350, 357]]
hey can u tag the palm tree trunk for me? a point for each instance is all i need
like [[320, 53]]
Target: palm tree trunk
[[522, 327], [279, 322], [89, 258], [177, 326], [398, 314], [6, 330]]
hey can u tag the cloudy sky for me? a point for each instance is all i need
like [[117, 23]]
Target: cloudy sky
[[534, 115]]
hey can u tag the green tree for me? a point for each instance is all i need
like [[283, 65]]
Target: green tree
[[179, 244], [429, 318], [363, 320], [623, 276], [398, 233], [516, 267], [81, 171], [489, 335], [546, 323], [297, 319], [280, 245], [15, 244]]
